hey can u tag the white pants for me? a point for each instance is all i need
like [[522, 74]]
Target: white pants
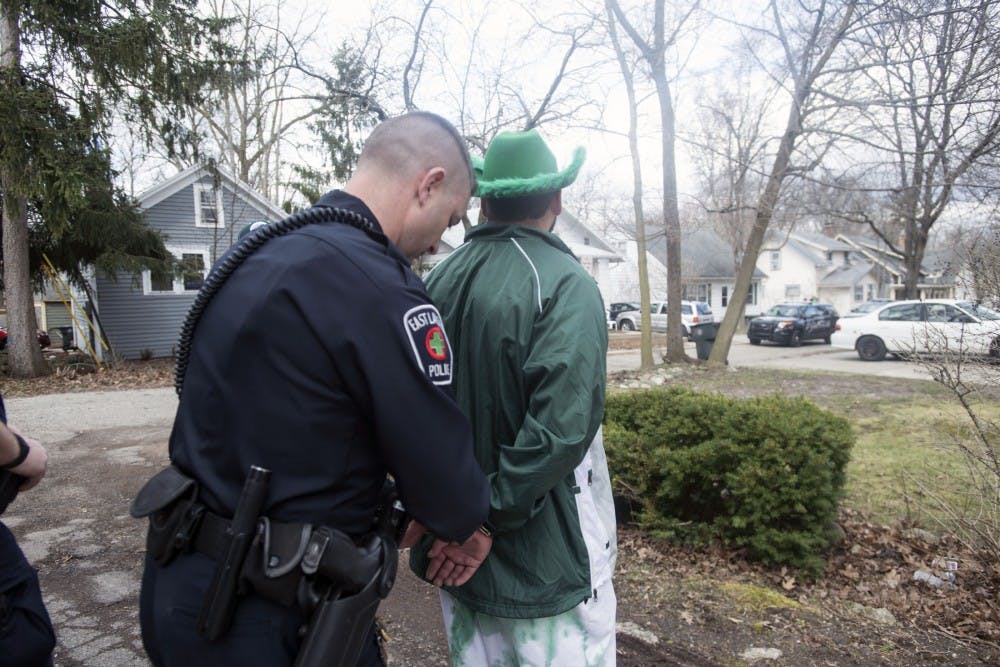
[[582, 636]]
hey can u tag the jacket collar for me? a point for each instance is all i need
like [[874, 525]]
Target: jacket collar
[[496, 231]]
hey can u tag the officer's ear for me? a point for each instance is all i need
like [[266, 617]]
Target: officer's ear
[[432, 179]]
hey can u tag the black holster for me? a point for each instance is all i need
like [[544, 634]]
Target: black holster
[[170, 500], [340, 619]]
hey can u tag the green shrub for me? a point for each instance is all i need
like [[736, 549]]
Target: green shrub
[[764, 474]]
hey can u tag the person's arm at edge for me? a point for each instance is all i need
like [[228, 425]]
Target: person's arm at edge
[[33, 467]]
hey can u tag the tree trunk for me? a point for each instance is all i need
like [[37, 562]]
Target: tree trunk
[[23, 354], [671, 220], [765, 209], [916, 246], [645, 319]]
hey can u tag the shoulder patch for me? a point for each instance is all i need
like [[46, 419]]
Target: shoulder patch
[[425, 329]]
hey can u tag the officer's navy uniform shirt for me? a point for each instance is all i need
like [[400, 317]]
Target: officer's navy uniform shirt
[[321, 359]]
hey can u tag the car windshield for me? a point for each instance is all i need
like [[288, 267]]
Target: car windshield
[[982, 312], [785, 311]]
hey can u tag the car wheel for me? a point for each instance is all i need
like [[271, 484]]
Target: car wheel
[[796, 339], [626, 325], [827, 340], [870, 348], [995, 348], [755, 341]]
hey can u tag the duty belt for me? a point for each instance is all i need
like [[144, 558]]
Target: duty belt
[[279, 556], [283, 553]]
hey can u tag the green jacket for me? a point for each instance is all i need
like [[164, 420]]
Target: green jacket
[[529, 340]]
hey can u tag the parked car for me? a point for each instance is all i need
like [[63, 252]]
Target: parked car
[[43, 338], [792, 323], [921, 327], [692, 312], [866, 307], [615, 309]]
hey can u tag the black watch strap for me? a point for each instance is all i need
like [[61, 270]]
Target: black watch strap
[[22, 453]]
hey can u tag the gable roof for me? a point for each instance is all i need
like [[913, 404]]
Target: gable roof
[[939, 266], [821, 242], [704, 254], [848, 275], [161, 191]]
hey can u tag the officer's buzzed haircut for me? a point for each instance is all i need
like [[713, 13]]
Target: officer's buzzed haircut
[[417, 140]]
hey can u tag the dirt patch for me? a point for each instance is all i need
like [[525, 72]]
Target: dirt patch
[[677, 606], [75, 372]]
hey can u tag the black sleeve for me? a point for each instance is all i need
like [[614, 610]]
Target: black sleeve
[[399, 364]]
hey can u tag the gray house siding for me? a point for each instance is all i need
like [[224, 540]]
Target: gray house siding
[[140, 321]]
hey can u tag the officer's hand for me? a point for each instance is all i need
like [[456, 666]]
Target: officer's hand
[[453, 564], [33, 467], [413, 534]]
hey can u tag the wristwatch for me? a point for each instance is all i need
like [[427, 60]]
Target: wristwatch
[[22, 453]]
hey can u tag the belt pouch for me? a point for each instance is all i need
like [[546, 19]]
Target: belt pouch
[[169, 499]]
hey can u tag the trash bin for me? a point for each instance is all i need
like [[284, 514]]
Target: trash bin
[[66, 333], [703, 336]]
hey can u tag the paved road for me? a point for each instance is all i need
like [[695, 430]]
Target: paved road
[[811, 355]]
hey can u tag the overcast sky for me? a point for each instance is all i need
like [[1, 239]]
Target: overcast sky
[[528, 58]]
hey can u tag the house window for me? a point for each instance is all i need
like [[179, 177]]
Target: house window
[[871, 291], [193, 266], [725, 295], [793, 291], [775, 260], [752, 295], [859, 292], [160, 281], [698, 292], [192, 274], [207, 206]]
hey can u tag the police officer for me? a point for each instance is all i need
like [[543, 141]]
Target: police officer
[[321, 359]]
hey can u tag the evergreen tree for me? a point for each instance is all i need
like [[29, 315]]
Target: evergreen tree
[[65, 66]]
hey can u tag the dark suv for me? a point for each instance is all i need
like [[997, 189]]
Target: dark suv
[[792, 323]]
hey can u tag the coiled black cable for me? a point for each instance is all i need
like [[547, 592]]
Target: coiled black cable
[[250, 243]]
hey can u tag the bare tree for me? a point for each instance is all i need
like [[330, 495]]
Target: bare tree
[[927, 116], [808, 34], [498, 87], [628, 76], [251, 123], [654, 51], [731, 141]]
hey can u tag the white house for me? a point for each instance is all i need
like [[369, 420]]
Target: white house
[[708, 271], [803, 266], [843, 271]]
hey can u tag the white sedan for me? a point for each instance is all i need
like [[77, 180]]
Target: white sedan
[[938, 326]]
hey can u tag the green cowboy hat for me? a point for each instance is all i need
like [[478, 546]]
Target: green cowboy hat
[[518, 164]]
